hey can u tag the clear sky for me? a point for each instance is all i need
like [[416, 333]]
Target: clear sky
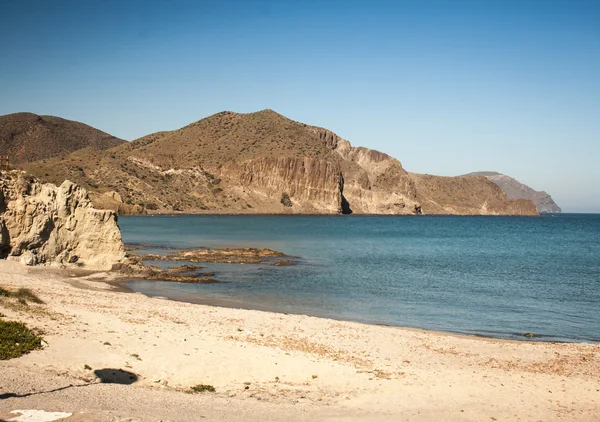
[[447, 87]]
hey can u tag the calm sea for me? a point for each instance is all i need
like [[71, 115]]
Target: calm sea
[[491, 276]]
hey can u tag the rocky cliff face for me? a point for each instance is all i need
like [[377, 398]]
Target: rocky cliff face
[[312, 184], [516, 190], [41, 224], [374, 182]]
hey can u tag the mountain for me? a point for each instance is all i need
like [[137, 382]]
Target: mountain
[[27, 137], [463, 195], [516, 190], [258, 162]]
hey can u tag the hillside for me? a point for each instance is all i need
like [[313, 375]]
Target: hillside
[[259, 162], [516, 190], [27, 137], [465, 195]]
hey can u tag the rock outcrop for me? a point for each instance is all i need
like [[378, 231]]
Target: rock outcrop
[[516, 190], [374, 182], [312, 184], [41, 224]]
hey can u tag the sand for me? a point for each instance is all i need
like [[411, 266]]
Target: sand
[[270, 366]]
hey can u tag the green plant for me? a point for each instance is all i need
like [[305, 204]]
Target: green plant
[[285, 200], [202, 388], [16, 340]]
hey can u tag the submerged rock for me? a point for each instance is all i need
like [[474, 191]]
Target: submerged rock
[[226, 256], [42, 224]]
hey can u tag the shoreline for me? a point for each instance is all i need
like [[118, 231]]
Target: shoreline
[[217, 214], [227, 303], [271, 365]]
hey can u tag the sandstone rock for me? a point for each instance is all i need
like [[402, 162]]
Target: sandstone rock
[[374, 182], [112, 200], [41, 224], [313, 183]]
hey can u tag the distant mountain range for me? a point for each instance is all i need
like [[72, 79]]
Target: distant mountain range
[[258, 162], [517, 190]]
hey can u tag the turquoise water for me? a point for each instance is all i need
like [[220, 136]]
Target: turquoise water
[[491, 276]]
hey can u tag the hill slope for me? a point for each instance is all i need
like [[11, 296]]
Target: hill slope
[[516, 190], [259, 162], [464, 195], [27, 137]]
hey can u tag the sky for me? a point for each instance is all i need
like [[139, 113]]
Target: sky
[[447, 87]]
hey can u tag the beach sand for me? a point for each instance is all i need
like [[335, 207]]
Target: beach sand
[[269, 366]]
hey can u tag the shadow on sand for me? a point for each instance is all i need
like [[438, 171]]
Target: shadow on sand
[[115, 376], [106, 376]]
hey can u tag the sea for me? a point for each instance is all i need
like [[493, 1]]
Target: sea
[[490, 276]]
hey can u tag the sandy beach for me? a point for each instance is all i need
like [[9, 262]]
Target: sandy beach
[[269, 366]]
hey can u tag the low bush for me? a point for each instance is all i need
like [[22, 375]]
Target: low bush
[[16, 340], [285, 200], [201, 388]]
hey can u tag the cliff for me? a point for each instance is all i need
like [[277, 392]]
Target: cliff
[[41, 224], [374, 182], [313, 185], [516, 190]]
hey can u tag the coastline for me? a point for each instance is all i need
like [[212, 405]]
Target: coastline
[[295, 367], [207, 300], [119, 284], [265, 214]]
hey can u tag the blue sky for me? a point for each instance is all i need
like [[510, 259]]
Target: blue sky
[[447, 87]]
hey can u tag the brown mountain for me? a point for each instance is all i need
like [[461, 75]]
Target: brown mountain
[[516, 190], [464, 195], [27, 137], [261, 162]]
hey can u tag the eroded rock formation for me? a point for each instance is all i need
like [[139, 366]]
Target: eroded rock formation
[[42, 224], [311, 183]]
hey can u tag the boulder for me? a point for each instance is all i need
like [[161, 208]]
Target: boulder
[[42, 224]]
